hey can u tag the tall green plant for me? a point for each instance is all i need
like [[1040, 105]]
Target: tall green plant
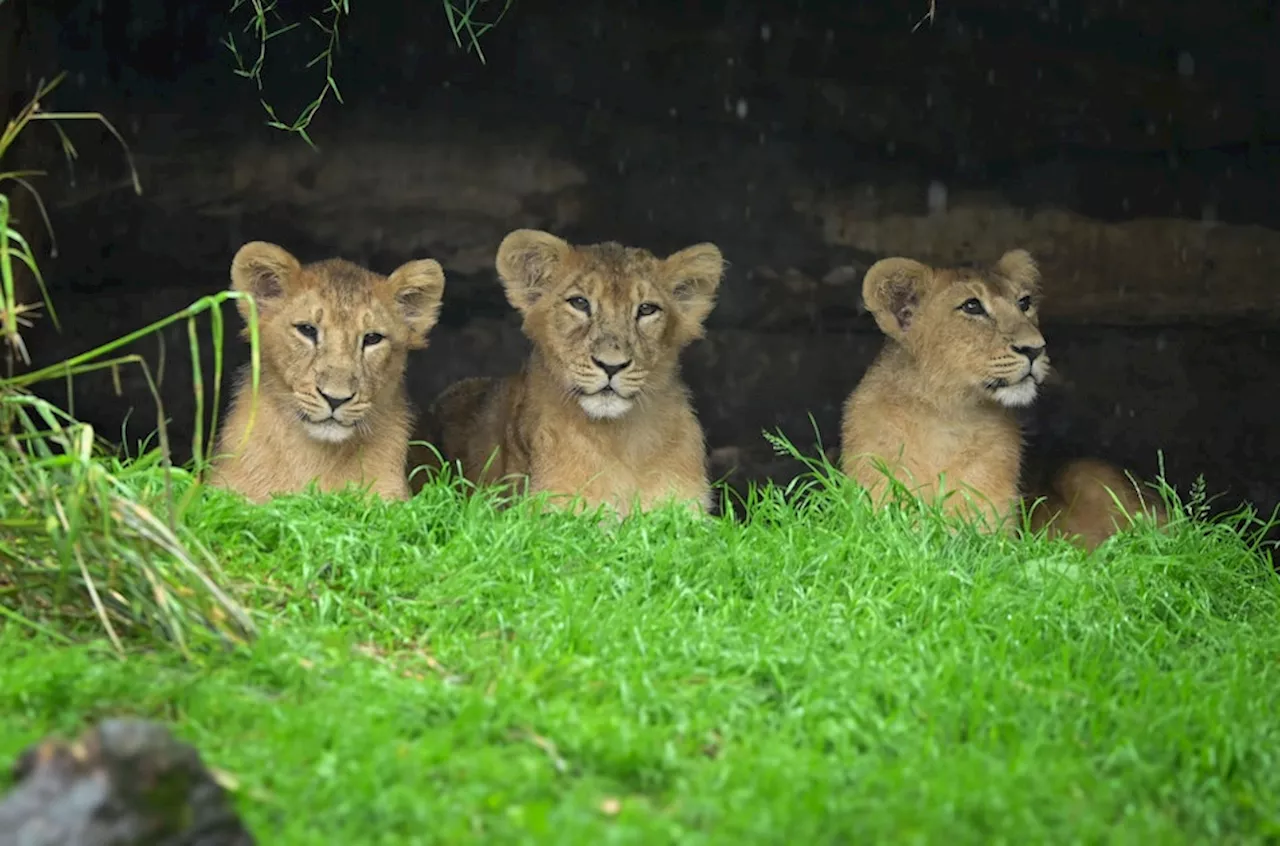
[[85, 538], [15, 316]]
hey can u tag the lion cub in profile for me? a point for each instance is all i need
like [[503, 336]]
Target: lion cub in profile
[[1079, 504], [332, 404], [599, 409], [963, 348]]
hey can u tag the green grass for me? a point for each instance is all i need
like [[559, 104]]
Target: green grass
[[441, 672]]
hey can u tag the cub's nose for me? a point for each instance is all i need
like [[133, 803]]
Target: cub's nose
[[1032, 353], [334, 402], [611, 370]]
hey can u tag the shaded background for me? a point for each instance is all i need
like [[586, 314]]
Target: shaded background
[[1133, 146]]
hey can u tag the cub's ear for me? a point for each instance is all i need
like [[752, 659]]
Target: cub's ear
[[893, 289], [692, 277], [418, 289], [1020, 268], [264, 271], [527, 263]]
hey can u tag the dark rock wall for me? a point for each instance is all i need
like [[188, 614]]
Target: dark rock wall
[[1133, 146]]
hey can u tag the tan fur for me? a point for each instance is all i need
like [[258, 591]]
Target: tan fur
[[937, 400], [296, 436], [1079, 504], [562, 422]]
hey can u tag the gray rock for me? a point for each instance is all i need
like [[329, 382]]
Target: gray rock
[[123, 783]]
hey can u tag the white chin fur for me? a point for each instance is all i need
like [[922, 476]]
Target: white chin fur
[[1020, 394], [329, 431], [607, 406]]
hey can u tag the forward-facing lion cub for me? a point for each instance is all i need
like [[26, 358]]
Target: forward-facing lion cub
[[1089, 500], [332, 404], [962, 350], [599, 409]]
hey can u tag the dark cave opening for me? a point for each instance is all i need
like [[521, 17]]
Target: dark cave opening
[[1134, 147]]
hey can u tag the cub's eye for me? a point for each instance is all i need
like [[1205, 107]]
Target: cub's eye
[[582, 304], [307, 331], [371, 338], [973, 306], [646, 309], [1024, 302]]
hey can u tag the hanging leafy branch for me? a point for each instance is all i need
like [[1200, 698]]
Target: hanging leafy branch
[[265, 23], [929, 16], [463, 19]]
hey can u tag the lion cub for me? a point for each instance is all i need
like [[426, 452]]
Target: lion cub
[[1080, 505], [599, 409], [962, 350], [332, 404]]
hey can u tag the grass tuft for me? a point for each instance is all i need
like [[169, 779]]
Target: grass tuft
[[91, 547], [84, 543]]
